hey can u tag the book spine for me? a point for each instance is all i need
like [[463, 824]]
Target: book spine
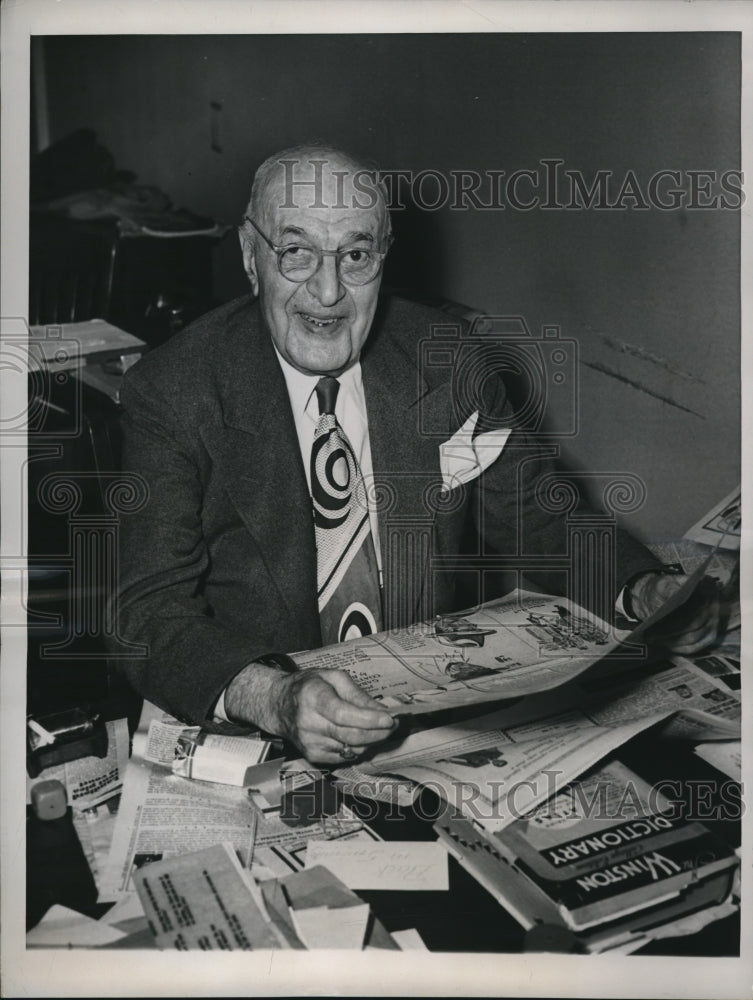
[[614, 888]]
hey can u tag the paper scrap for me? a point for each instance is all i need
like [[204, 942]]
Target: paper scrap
[[409, 940], [226, 759], [62, 927], [391, 865], [322, 927], [725, 757], [128, 908], [162, 739], [203, 900]]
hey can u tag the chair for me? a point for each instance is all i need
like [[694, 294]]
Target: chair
[[71, 269]]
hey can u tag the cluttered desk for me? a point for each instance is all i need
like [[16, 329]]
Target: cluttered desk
[[547, 787], [596, 809]]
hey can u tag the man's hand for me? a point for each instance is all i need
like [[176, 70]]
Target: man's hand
[[689, 629], [321, 711]]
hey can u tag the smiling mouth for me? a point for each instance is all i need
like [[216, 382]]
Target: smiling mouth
[[320, 324]]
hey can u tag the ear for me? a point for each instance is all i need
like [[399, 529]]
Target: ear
[[249, 261]]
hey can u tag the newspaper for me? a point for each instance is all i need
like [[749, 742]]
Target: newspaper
[[394, 791], [156, 739], [498, 775], [94, 828], [721, 525], [162, 815], [280, 849], [193, 753], [203, 900], [693, 707], [514, 646], [498, 766], [687, 555], [723, 565], [519, 645], [698, 707]]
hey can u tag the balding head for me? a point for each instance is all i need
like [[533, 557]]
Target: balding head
[[317, 176], [314, 240]]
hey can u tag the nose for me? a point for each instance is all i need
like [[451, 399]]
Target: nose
[[325, 284]]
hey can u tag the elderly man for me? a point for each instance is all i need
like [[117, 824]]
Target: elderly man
[[280, 441]]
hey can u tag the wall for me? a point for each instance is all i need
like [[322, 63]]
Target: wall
[[651, 297]]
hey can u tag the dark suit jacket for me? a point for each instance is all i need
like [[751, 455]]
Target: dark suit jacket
[[219, 565]]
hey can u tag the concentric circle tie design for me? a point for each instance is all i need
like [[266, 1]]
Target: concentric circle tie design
[[347, 576], [333, 469]]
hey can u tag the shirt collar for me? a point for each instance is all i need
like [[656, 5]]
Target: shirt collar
[[301, 387]]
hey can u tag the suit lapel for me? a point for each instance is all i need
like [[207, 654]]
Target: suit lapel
[[407, 418], [260, 466]]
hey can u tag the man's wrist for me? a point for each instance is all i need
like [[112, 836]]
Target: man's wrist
[[255, 693]]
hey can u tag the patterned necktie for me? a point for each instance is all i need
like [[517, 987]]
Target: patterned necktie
[[347, 576]]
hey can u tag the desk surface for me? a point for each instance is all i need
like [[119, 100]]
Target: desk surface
[[464, 919]]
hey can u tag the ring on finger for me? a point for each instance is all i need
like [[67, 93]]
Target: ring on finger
[[346, 752]]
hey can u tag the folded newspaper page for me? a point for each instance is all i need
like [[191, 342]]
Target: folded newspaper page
[[518, 645], [496, 776], [496, 767], [193, 753], [511, 647]]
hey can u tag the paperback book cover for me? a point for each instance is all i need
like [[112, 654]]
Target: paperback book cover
[[607, 851], [611, 813]]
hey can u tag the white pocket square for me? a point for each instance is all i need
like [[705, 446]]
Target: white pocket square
[[464, 457]]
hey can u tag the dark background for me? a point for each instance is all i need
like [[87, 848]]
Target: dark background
[[651, 297]]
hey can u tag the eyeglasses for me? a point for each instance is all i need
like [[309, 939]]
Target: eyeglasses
[[355, 265]]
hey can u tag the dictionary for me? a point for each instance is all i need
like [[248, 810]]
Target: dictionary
[[617, 888], [611, 813], [605, 858]]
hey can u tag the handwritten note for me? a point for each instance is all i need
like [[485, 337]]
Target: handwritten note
[[409, 865]]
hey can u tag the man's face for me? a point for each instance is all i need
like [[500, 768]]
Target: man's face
[[319, 325]]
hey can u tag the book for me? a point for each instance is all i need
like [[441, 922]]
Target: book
[[617, 888], [611, 813], [97, 378], [603, 858], [63, 346]]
